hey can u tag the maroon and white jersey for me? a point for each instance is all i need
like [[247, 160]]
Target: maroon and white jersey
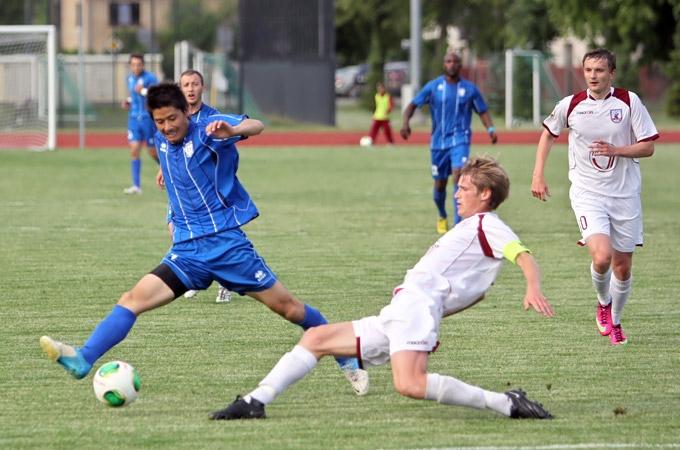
[[619, 119], [461, 266]]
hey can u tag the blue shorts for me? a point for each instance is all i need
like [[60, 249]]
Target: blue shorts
[[141, 129], [444, 160], [227, 257]]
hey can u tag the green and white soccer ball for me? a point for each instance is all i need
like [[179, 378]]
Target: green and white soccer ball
[[116, 383]]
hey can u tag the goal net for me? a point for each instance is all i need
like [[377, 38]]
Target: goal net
[[27, 87], [530, 88]]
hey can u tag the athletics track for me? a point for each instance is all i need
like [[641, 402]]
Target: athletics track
[[333, 138], [97, 139]]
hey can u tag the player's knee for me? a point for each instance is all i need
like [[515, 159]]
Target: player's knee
[[621, 271], [313, 339], [127, 301], [601, 260], [134, 301], [289, 308], [409, 387]]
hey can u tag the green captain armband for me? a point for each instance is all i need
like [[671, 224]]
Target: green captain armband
[[513, 249]]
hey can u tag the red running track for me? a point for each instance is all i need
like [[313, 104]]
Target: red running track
[[300, 139]]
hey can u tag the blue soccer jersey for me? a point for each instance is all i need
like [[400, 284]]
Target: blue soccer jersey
[[137, 100], [204, 193], [204, 112], [451, 106]]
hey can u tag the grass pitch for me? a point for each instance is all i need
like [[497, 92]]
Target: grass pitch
[[340, 226]]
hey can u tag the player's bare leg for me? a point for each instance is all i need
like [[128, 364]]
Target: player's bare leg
[[411, 379], [599, 247], [621, 287], [281, 301], [332, 339]]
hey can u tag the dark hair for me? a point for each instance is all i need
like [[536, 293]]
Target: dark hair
[[602, 53], [136, 55], [191, 72], [166, 94], [486, 173]]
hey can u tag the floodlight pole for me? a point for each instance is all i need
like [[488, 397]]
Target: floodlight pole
[[536, 88], [414, 51], [508, 88], [81, 80]]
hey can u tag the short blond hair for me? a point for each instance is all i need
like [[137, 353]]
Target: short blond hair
[[486, 173]]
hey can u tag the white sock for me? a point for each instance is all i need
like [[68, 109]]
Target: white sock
[[620, 291], [601, 285], [291, 367], [450, 391]]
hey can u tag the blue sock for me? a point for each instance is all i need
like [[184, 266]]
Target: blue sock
[[313, 318], [456, 217], [108, 333], [136, 171], [440, 201]]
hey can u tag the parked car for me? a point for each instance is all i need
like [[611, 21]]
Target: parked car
[[350, 80], [397, 73]]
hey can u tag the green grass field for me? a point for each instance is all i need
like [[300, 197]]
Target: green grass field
[[340, 226]]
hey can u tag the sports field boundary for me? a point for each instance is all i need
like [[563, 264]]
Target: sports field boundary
[[96, 139]]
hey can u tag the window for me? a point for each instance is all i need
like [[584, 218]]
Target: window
[[123, 14]]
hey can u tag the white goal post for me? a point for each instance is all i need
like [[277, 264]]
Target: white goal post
[[28, 86], [531, 89]]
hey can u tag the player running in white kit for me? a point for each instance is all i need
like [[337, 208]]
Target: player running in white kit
[[609, 128]]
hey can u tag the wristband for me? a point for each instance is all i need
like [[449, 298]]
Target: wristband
[[491, 130]]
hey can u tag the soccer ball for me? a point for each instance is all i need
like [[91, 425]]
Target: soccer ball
[[366, 141], [116, 383]]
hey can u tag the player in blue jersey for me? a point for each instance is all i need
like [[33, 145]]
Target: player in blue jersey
[[199, 163], [191, 83], [140, 126], [451, 100]]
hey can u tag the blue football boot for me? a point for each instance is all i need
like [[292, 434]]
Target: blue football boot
[[67, 356]]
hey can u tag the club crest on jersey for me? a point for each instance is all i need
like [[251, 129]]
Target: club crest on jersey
[[188, 149], [461, 92], [616, 115], [603, 163], [164, 147]]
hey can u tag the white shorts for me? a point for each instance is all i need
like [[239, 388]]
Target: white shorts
[[409, 322], [618, 218]]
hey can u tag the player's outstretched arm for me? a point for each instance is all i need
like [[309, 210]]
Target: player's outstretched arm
[[534, 296], [539, 188], [222, 130], [249, 127]]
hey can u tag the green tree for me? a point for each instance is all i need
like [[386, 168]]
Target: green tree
[[189, 20], [14, 12], [639, 32], [370, 31], [673, 68]]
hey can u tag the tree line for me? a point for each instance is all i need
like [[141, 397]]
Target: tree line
[[640, 32]]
